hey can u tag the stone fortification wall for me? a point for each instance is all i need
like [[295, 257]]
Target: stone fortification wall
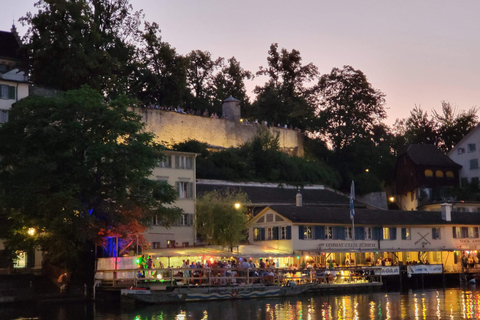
[[172, 127]]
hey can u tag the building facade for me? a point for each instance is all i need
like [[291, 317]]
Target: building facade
[[13, 82], [467, 154], [422, 175], [178, 170], [377, 237]]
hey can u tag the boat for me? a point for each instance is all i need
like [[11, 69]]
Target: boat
[[172, 294]]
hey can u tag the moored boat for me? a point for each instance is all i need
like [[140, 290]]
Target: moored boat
[[195, 293]]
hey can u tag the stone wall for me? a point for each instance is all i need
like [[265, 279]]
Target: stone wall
[[172, 127]]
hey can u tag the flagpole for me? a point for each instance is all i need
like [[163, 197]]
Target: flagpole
[[352, 216]]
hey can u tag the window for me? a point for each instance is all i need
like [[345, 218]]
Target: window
[[186, 220], [256, 234], [390, 233], [386, 233], [308, 232], [7, 92], [283, 233], [428, 173], [155, 221], [278, 218], [166, 162], [461, 150], [156, 245], [185, 190], [450, 175], [4, 116], [465, 232], [328, 232], [269, 217], [368, 233], [436, 233], [184, 244], [473, 164], [463, 182], [406, 235], [348, 233], [471, 147], [475, 181], [439, 174], [261, 219], [473, 232], [269, 233], [170, 243], [183, 162]]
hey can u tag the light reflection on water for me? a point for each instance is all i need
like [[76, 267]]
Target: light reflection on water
[[427, 304]]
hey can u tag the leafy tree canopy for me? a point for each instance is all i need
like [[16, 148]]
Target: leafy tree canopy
[[76, 169], [73, 43], [285, 97], [443, 129], [350, 107], [219, 221]]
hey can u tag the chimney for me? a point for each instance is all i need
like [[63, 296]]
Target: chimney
[[298, 198], [446, 211], [231, 109]]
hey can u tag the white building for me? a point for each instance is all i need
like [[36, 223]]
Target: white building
[[320, 233], [13, 82], [467, 154], [178, 170]]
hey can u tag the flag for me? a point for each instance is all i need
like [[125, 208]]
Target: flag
[[352, 197]]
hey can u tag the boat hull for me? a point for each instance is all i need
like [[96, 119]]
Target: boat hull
[[189, 294]]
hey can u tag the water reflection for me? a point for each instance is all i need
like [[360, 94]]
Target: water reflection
[[427, 304]]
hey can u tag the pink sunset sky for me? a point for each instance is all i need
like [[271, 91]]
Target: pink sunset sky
[[416, 52]]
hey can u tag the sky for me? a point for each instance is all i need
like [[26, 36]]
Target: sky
[[417, 52]]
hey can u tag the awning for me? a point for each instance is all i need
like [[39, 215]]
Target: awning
[[218, 251]]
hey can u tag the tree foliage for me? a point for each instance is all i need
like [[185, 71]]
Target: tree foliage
[[259, 160], [443, 129], [161, 78], [350, 107], [285, 97], [76, 169], [73, 43], [219, 222]]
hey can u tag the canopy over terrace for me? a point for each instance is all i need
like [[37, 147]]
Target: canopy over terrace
[[242, 251]]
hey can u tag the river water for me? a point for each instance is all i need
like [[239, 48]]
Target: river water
[[455, 303]]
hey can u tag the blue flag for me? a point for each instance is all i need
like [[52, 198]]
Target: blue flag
[[352, 197]]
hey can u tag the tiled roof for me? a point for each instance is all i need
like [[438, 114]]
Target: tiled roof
[[272, 194], [337, 215], [8, 45], [429, 155]]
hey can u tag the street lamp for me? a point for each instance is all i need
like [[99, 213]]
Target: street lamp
[[237, 205], [31, 231]]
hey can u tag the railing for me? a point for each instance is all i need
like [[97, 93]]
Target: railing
[[227, 276]]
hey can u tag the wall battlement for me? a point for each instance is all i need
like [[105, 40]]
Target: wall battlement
[[172, 127]]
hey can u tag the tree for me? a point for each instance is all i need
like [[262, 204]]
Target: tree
[[219, 221], [162, 74], [285, 98], [350, 107], [231, 82], [200, 78], [453, 125], [72, 43], [420, 128], [76, 169]]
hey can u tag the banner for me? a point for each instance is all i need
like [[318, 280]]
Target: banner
[[387, 271], [425, 269]]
